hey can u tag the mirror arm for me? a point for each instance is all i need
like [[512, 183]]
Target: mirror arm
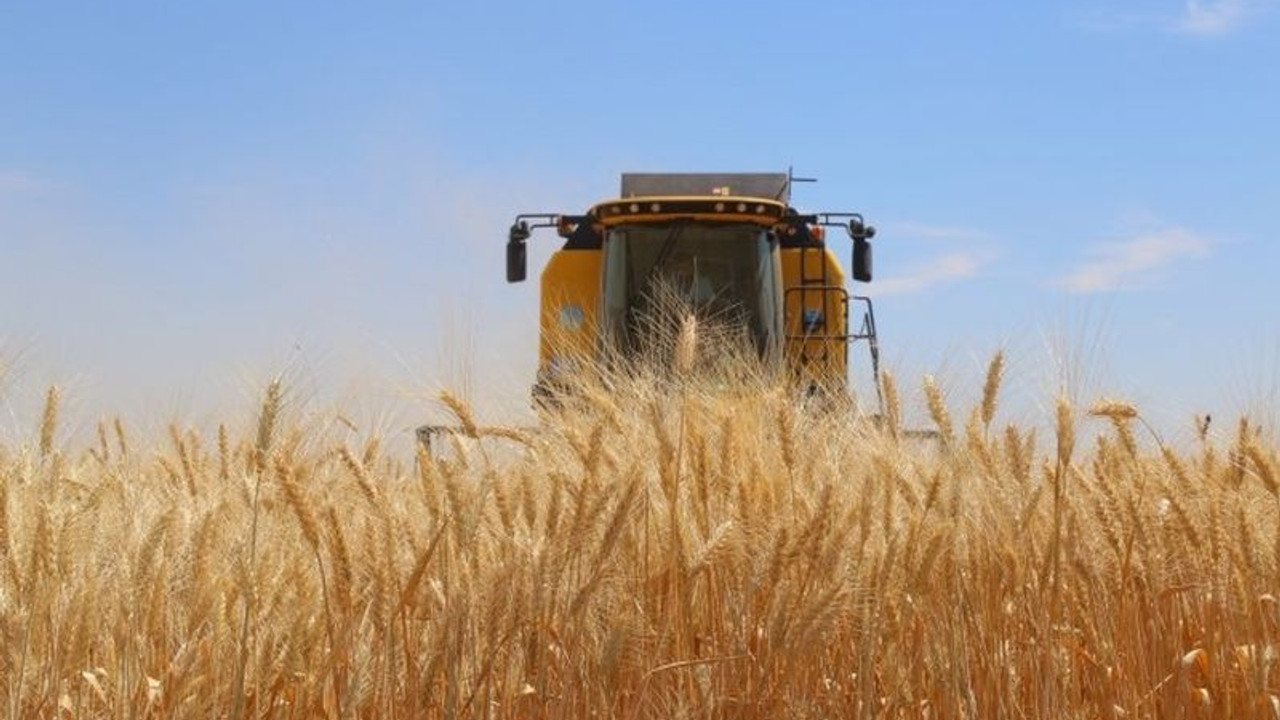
[[541, 219], [859, 231], [853, 223], [520, 232]]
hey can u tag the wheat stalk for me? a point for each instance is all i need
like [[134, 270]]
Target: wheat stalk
[[361, 475], [49, 421], [122, 438], [991, 389], [461, 412], [686, 351], [938, 411], [268, 418], [892, 404]]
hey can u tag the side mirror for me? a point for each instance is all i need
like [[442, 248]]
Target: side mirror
[[517, 253], [517, 261], [861, 260]]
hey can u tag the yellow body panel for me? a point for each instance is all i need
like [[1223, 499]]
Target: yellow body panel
[[570, 280], [814, 281]]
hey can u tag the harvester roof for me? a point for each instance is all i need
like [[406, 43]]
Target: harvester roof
[[772, 186]]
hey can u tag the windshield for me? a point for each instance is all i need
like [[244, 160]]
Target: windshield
[[724, 273]]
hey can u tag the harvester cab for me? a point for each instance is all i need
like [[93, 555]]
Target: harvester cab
[[727, 245]]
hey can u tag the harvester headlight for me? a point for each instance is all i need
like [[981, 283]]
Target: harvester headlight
[[572, 317], [655, 207], [742, 207], [635, 207], [719, 207]]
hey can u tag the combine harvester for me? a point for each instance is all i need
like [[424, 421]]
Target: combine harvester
[[729, 245]]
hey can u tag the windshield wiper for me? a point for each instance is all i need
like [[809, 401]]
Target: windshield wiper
[[668, 244]]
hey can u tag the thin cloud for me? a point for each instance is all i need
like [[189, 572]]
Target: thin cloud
[[1212, 18], [1111, 20], [1197, 18], [1135, 262], [14, 182], [925, 231], [941, 270]]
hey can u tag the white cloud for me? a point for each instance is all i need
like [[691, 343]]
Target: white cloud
[[943, 269], [1131, 263], [1212, 18]]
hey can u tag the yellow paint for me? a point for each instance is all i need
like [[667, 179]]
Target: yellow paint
[[822, 355], [571, 279]]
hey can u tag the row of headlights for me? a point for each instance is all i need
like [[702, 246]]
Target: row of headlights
[[636, 208]]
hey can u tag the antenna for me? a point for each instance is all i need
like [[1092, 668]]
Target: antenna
[[791, 178]]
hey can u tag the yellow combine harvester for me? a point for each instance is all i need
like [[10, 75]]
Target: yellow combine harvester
[[730, 246]]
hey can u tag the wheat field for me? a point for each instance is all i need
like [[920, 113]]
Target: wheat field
[[662, 547]]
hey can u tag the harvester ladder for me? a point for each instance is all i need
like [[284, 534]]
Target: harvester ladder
[[821, 283]]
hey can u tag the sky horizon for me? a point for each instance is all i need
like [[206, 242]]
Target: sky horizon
[[194, 199]]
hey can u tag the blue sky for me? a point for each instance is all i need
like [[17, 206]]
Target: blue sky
[[194, 196]]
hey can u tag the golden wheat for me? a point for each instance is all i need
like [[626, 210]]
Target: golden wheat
[[665, 548]]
